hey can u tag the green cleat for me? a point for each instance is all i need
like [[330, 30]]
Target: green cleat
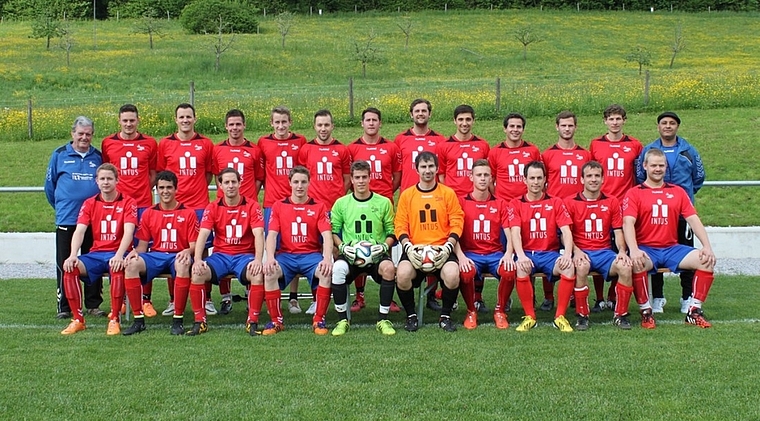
[[386, 327], [341, 328]]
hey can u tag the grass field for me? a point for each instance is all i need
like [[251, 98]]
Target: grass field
[[673, 372]]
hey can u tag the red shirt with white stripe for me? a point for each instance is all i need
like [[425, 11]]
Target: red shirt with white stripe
[[190, 161], [171, 230], [134, 159], [657, 210], [232, 225], [107, 220]]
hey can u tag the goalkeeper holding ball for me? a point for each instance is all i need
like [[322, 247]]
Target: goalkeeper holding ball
[[363, 219], [428, 214]]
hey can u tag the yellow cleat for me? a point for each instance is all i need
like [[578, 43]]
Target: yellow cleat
[[527, 324], [562, 324]]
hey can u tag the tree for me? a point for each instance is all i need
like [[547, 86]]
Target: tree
[[640, 56], [679, 43], [202, 17], [150, 25], [222, 42], [67, 41], [405, 24], [45, 25], [366, 52], [284, 23], [526, 35]]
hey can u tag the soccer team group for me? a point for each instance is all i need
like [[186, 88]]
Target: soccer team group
[[618, 211]]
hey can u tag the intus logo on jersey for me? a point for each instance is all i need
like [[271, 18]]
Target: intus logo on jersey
[[568, 173], [284, 163], [108, 229], [299, 231], [481, 228], [538, 226], [464, 165], [593, 227], [615, 166], [233, 232], [168, 238], [659, 213], [188, 165], [128, 165], [325, 170]]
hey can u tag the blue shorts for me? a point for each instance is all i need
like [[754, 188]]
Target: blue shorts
[[267, 215], [298, 264], [135, 241], [601, 261], [544, 261], [668, 257], [96, 264], [222, 264], [156, 263], [485, 263], [210, 239]]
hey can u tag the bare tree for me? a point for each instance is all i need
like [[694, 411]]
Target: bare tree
[[405, 24], [45, 25], [284, 23], [67, 41], [640, 56], [526, 35], [366, 52], [151, 26], [679, 43], [222, 42]]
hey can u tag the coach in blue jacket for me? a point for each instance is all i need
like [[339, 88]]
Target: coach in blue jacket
[[685, 169], [69, 181]]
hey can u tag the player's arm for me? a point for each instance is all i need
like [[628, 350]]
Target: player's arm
[[396, 176], [117, 261], [698, 171], [346, 183], [76, 243], [325, 266], [51, 179], [629, 233], [507, 260], [152, 175], [271, 247], [258, 253], [142, 247], [200, 244], [185, 257], [706, 254], [567, 241], [622, 249]]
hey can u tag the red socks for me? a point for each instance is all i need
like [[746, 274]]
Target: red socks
[[598, 287], [225, 286], [548, 289], [623, 298], [581, 301], [117, 294], [255, 301], [273, 305], [323, 301], [701, 284], [134, 293], [564, 292], [506, 285], [640, 288], [73, 293], [181, 291], [467, 288], [170, 286], [525, 293], [197, 302]]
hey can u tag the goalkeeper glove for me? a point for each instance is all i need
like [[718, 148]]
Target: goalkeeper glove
[[377, 251], [348, 251], [443, 254], [412, 252]]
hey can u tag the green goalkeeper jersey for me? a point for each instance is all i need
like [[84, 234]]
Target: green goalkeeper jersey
[[363, 220]]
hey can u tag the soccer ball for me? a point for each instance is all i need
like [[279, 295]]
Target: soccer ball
[[363, 253], [428, 253]]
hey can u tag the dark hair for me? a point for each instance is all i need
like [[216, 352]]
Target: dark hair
[[419, 101], [594, 165], [323, 113], [227, 170], [360, 165], [481, 163], [614, 109], [566, 114], [462, 109], [280, 109], [184, 106], [534, 164], [374, 111], [128, 108], [514, 115], [425, 156], [299, 169], [167, 176], [234, 113]]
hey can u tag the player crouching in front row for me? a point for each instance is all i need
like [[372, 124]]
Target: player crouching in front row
[[112, 217]]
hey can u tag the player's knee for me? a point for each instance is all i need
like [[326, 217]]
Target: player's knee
[[340, 271], [467, 276], [386, 270], [450, 275]]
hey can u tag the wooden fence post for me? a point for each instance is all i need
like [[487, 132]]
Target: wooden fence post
[[498, 96], [351, 98], [192, 93], [646, 88], [29, 119]]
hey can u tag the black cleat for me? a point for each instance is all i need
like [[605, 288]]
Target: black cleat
[[177, 328], [198, 328], [412, 324], [252, 328], [226, 307], [480, 306], [63, 315], [547, 305], [582, 323], [433, 304], [137, 327], [622, 322], [599, 305], [446, 324]]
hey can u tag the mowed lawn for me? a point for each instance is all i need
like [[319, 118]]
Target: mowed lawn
[[673, 372]]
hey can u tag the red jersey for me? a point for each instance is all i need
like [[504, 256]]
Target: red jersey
[[618, 160], [233, 225], [171, 230], [594, 220], [107, 220], [564, 170], [384, 159], [410, 145], [507, 165], [484, 223], [190, 160], [280, 156], [135, 159], [657, 210], [456, 158], [327, 165], [539, 222], [300, 226], [248, 162]]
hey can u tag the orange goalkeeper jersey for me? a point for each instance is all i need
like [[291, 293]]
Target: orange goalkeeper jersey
[[429, 217]]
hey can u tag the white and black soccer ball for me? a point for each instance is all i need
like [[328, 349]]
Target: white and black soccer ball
[[363, 253]]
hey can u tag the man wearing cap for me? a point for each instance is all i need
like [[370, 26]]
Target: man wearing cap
[[684, 169]]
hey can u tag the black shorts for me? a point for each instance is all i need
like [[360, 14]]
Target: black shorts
[[371, 270], [421, 275]]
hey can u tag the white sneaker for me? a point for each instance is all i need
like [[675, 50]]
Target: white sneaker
[[210, 309], [685, 304], [169, 309], [312, 308], [293, 307], [658, 304]]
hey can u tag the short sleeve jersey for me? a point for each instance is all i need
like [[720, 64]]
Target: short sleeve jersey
[[233, 225], [134, 159], [410, 145], [594, 220], [456, 158], [618, 160], [171, 230], [508, 164], [280, 156], [484, 223], [657, 210], [107, 220], [246, 159], [539, 222], [300, 226], [357, 220], [384, 159], [429, 217], [327, 165], [190, 160], [564, 170]]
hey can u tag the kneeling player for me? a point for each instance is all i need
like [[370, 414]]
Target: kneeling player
[[238, 227], [301, 225], [170, 229], [112, 217], [535, 219], [480, 249], [650, 224], [595, 216], [358, 217]]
